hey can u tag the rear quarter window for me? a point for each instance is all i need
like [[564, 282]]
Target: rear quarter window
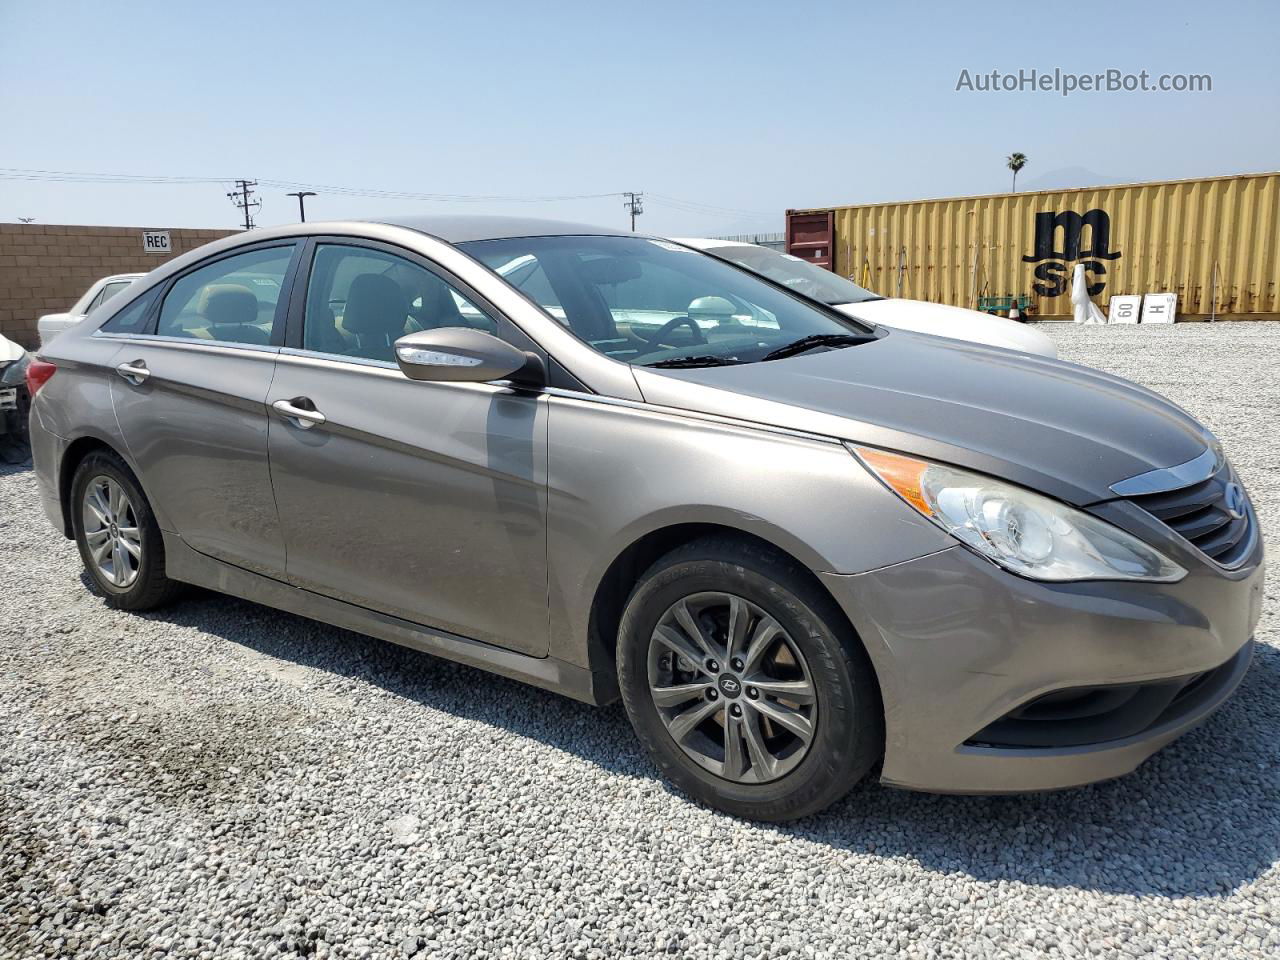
[[133, 318]]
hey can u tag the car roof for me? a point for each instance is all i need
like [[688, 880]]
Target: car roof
[[461, 229]]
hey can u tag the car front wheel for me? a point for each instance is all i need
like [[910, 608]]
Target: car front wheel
[[744, 682]]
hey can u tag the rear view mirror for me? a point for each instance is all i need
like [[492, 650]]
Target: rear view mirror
[[458, 353]]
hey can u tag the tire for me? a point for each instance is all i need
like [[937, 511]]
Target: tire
[[141, 583], [844, 720]]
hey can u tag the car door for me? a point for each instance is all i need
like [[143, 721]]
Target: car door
[[425, 501], [189, 390]]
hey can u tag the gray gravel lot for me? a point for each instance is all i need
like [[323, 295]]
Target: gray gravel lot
[[218, 779]]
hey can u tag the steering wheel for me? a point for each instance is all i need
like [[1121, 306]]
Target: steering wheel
[[657, 338]]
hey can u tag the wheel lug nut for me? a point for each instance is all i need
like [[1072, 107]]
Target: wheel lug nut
[[736, 710], [713, 666], [712, 694], [753, 693], [737, 664]]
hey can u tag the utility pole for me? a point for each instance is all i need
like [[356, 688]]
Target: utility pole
[[302, 210], [242, 197], [634, 204]]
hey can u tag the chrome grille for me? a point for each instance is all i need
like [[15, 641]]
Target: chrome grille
[[1199, 513]]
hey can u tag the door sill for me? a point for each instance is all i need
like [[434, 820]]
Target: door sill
[[549, 673]]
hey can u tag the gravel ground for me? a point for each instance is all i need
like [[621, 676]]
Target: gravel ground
[[221, 780]]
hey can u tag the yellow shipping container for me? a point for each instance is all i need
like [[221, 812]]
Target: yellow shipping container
[[1214, 242]]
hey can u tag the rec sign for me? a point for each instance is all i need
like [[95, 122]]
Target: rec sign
[[156, 241]]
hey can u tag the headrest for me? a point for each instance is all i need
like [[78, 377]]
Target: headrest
[[375, 305], [439, 309], [229, 303]]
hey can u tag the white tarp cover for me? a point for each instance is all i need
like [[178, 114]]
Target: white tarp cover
[[1084, 309]]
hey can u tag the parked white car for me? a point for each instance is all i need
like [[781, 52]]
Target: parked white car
[[846, 296], [52, 324]]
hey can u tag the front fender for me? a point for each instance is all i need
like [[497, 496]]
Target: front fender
[[619, 472]]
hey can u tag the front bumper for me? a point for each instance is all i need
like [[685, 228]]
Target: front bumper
[[959, 644]]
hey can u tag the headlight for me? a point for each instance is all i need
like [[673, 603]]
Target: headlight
[[1022, 531]]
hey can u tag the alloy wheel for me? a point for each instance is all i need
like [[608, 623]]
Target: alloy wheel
[[732, 688], [111, 532]]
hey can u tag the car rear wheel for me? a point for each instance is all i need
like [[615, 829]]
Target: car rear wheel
[[119, 540], [745, 684]]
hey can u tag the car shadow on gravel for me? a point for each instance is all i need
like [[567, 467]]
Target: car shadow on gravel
[[9, 469], [1199, 819]]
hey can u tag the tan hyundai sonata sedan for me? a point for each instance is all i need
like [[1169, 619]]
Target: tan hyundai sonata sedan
[[795, 544]]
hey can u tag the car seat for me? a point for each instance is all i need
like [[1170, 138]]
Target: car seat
[[375, 315], [230, 312]]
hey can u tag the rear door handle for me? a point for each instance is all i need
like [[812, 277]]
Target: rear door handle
[[135, 371], [301, 417]]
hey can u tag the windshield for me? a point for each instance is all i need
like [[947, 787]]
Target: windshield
[[799, 275], [652, 302]]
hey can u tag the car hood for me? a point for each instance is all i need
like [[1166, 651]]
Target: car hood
[[957, 323], [1067, 430]]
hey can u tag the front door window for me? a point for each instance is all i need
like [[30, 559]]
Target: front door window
[[360, 301]]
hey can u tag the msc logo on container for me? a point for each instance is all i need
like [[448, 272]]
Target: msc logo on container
[[1052, 260]]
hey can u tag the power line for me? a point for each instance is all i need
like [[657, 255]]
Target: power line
[[242, 197], [696, 206], [630, 198], [22, 173], [634, 205], [434, 197], [67, 176]]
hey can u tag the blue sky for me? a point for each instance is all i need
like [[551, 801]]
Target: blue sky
[[725, 114]]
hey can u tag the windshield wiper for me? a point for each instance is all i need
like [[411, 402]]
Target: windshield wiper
[[816, 340], [705, 360]]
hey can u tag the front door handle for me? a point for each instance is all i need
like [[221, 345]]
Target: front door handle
[[135, 371], [301, 417]]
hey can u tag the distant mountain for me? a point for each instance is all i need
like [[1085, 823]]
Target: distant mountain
[[1066, 178]]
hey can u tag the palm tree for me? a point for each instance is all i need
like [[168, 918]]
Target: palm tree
[[1015, 162]]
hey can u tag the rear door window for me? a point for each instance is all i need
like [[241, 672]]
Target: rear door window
[[232, 300]]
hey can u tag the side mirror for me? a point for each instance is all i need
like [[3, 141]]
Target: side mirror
[[459, 353]]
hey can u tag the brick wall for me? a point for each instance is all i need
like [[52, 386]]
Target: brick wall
[[46, 268]]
